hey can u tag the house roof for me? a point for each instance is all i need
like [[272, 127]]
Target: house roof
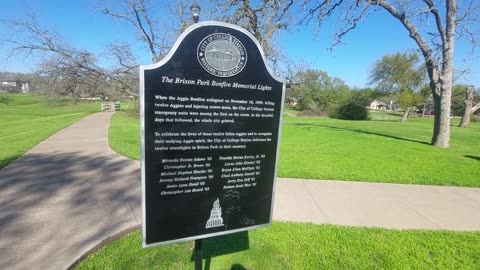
[[380, 102]]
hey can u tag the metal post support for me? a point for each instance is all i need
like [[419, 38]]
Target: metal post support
[[198, 254]]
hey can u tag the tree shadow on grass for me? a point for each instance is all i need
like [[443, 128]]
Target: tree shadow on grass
[[364, 132], [381, 120], [223, 245], [473, 157], [238, 267]]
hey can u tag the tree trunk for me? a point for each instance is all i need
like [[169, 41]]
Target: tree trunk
[[468, 107], [475, 108], [405, 115], [441, 124], [443, 98]]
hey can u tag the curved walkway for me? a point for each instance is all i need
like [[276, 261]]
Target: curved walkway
[[70, 192], [65, 196]]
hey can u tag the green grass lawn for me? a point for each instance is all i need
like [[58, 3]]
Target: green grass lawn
[[376, 151], [27, 120], [378, 115], [290, 111], [124, 134], [302, 246]]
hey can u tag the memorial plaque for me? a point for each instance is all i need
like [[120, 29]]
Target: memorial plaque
[[210, 123]]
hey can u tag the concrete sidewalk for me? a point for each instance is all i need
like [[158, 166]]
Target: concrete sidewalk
[[378, 205], [70, 192], [64, 196]]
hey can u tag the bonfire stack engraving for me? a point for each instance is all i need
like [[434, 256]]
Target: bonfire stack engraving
[[215, 219]]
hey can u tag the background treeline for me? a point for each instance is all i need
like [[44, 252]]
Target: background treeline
[[315, 93], [68, 84]]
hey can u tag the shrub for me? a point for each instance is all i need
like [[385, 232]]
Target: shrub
[[312, 108], [333, 111], [351, 111], [4, 99]]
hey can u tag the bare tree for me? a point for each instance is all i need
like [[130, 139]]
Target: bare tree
[[124, 75], [292, 70], [265, 19], [435, 43], [31, 38], [139, 15], [67, 76], [156, 36]]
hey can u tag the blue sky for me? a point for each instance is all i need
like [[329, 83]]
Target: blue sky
[[81, 25]]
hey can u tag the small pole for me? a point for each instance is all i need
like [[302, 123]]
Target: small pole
[[198, 254], [195, 8]]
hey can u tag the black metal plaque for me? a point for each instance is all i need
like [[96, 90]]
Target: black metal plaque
[[210, 123]]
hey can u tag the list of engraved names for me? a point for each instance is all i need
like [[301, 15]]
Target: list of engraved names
[[194, 172], [191, 175]]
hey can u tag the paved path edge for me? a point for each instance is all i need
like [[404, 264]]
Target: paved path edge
[[102, 244]]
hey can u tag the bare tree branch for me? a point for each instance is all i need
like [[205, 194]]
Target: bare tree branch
[[339, 36], [438, 20], [265, 19], [137, 14], [71, 69], [422, 45]]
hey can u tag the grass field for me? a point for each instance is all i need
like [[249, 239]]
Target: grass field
[[290, 111], [124, 135], [381, 150], [27, 120], [302, 246]]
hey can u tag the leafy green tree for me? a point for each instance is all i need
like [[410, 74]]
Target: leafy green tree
[[400, 73], [365, 96], [406, 99], [316, 91], [458, 99]]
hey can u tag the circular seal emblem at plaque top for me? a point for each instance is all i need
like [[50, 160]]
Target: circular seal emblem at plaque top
[[222, 55]]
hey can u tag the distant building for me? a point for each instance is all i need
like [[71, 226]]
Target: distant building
[[377, 105], [8, 86], [291, 101]]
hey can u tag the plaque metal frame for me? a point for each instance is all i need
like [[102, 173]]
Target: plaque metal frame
[[172, 51]]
